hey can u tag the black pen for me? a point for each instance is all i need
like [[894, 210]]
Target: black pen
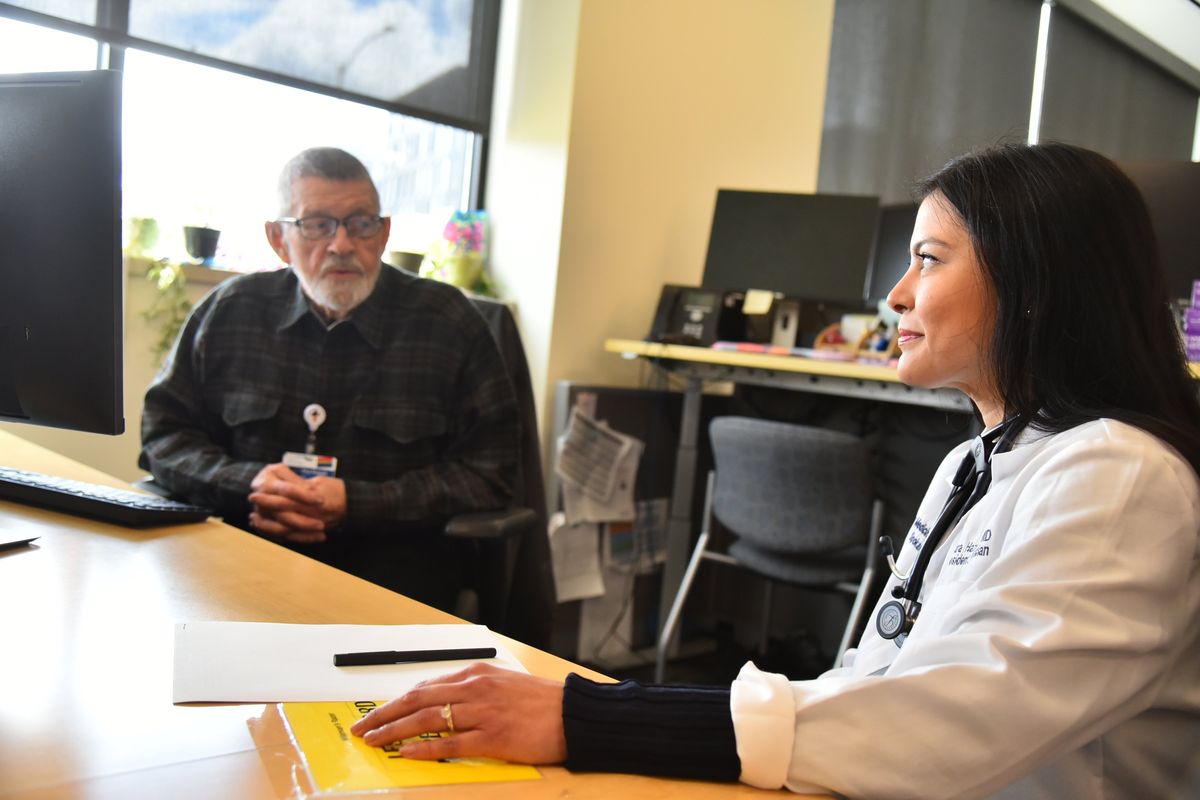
[[410, 656]]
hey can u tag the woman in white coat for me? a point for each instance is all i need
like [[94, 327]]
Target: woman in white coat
[[1041, 635]]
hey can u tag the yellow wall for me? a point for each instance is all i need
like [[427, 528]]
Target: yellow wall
[[673, 99]]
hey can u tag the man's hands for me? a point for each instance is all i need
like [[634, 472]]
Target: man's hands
[[287, 506]]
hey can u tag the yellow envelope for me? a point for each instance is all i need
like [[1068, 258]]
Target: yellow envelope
[[339, 762]]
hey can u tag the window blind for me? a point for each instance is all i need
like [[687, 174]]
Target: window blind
[[913, 83], [1102, 95], [432, 59]]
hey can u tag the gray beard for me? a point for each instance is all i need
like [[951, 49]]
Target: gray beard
[[338, 298]]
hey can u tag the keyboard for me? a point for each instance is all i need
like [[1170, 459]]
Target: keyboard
[[126, 507]]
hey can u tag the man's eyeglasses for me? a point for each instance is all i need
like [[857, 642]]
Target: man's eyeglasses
[[358, 226]]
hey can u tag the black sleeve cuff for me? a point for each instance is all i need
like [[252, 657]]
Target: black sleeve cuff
[[672, 731]]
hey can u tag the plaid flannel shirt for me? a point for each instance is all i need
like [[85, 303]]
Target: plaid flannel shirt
[[420, 411]]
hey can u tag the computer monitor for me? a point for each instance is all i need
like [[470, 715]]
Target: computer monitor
[[890, 258], [60, 250], [1172, 193], [810, 246]]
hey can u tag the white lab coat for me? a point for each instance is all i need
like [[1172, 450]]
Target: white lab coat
[[1057, 652]]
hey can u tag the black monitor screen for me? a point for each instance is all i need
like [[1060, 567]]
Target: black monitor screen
[[890, 258], [60, 250], [814, 246], [1172, 193]]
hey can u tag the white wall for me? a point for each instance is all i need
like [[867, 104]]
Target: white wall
[[1172, 24], [531, 117]]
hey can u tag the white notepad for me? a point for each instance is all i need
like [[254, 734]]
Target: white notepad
[[263, 662]]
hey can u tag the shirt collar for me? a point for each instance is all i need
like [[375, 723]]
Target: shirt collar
[[368, 319], [296, 308]]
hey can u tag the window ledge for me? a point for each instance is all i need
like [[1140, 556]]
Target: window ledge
[[195, 274]]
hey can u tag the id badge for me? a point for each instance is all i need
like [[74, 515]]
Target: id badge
[[311, 465]]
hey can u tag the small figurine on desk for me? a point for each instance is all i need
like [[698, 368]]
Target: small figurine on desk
[[880, 343], [831, 338], [880, 339], [877, 341]]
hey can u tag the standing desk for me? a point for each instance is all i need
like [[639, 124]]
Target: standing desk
[[87, 617], [699, 364]]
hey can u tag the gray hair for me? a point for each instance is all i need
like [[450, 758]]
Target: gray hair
[[329, 163]]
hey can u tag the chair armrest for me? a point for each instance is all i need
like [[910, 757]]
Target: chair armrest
[[492, 524]]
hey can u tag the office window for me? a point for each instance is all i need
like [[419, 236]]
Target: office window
[[432, 59], [219, 93], [203, 146], [29, 48], [74, 10], [422, 53]]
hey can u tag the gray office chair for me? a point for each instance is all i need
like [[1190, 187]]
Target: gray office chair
[[800, 503]]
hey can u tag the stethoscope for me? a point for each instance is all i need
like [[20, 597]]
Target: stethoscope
[[897, 617]]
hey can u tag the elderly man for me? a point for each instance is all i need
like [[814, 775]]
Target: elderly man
[[341, 407]]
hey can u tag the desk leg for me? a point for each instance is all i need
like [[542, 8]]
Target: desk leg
[[679, 529]]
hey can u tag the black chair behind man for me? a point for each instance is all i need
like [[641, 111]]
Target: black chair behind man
[[513, 578]]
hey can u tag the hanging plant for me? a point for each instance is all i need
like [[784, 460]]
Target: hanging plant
[[170, 307]]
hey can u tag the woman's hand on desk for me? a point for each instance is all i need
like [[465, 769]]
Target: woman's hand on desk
[[496, 713]]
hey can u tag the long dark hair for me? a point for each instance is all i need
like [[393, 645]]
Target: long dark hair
[[1084, 327]]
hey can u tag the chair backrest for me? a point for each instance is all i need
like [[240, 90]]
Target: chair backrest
[[791, 488], [530, 603], [499, 318]]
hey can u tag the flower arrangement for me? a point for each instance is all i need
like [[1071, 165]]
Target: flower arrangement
[[465, 231], [460, 256]]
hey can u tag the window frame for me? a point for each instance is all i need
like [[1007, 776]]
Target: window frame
[[111, 33]]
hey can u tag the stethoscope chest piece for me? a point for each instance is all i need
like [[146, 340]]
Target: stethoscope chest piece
[[890, 620]]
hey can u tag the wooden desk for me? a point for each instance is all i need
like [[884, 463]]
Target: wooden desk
[[87, 617]]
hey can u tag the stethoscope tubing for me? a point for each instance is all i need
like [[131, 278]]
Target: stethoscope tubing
[[970, 483]]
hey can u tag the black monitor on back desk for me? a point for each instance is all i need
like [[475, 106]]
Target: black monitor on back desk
[[890, 258], [802, 245], [1172, 193], [815, 248]]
